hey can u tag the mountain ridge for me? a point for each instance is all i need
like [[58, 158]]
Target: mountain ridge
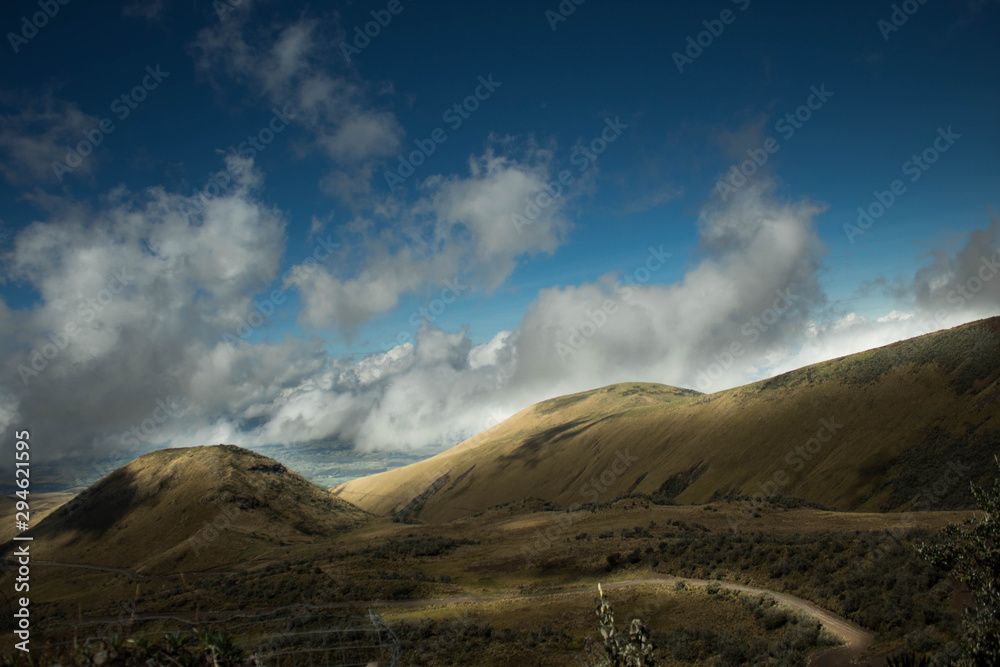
[[870, 431]]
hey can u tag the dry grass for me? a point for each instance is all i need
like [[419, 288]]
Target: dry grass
[[907, 410]]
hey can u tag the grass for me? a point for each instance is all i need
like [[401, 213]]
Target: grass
[[806, 552], [905, 411]]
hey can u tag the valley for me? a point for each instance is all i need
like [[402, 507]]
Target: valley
[[775, 523]]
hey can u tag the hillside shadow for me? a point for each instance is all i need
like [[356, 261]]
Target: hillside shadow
[[530, 450], [95, 510]]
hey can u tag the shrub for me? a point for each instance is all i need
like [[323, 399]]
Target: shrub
[[636, 650], [972, 551]]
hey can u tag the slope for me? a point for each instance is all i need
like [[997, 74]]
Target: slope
[[190, 509], [898, 427]]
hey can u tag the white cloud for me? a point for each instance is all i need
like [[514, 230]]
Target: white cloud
[[139, 297], [460, 233]]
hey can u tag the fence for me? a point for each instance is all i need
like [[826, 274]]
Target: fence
[[287, 636]]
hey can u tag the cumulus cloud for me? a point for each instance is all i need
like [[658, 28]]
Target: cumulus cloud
[[952, 288], [964, 281], [753, 284], [151, 292], [133, 301], [460, 234]]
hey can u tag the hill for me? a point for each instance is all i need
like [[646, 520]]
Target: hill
[[901, 427], [42, 505], [202, 507]]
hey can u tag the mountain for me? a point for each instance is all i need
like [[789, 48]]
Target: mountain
[[901, 427], [42, 505], [202, 507]]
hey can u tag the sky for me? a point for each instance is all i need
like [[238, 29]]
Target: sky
[[392, 224]]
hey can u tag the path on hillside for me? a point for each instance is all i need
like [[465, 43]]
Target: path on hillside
[[119, 570], [856, 639]]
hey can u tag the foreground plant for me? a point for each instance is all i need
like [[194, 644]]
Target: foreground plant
[[971, 551], [634, 650]]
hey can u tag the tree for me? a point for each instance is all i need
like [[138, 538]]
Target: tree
[[971, 551], [636, 650]]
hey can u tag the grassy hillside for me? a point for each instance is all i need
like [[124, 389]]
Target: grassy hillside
[[895, 428], [182, 501]]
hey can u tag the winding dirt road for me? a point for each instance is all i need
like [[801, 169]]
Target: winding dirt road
[[856, 639]]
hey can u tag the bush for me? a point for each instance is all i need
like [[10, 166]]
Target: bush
[[972, 551]]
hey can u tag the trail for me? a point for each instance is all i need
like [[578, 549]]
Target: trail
[[856, 639]]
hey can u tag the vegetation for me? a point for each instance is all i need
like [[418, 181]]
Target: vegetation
[[788, 641], [415, 547], [882, 419], [191, 649], [438, 641], [971, 551], [518, 526], [632, 650]]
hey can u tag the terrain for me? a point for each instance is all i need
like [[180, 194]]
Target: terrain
[[732, 524], [865, 432], [165, 511]]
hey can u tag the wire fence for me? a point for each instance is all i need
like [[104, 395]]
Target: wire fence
[[288, 636]]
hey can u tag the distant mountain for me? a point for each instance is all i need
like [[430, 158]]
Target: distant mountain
[[42, 504], [899, 427], [190, 509]]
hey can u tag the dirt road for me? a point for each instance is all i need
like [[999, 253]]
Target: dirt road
[[856, 639]]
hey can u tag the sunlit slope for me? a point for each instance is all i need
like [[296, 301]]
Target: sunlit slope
[[869, 431], [550, 423], [190, 509]]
